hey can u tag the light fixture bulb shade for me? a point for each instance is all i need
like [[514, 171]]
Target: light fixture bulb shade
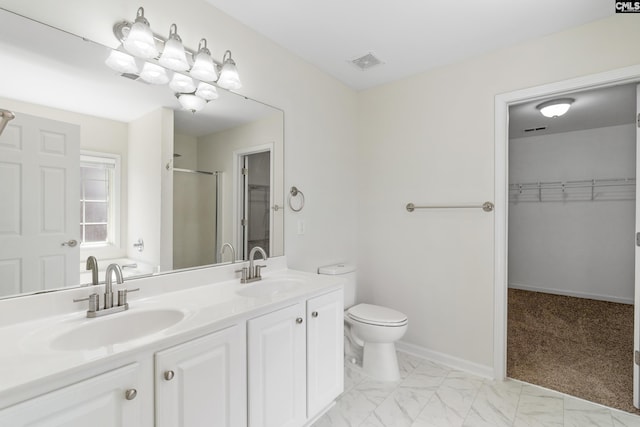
[[207, 91], [154, 74], [203, 67], [140, 41], [555, 107], [229, 78], [191, 102], [181, 83], [122, 62], [173, 56]]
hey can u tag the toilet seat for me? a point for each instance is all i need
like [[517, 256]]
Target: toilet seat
[[377, 315]]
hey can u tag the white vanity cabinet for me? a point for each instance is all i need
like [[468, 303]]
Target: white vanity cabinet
[[112, 399], [295, 365], [203, 382], [325, 349]]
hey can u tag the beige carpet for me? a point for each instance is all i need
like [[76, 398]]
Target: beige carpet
[[578, 346]]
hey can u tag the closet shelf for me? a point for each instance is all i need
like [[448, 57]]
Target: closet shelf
[[580, 190]]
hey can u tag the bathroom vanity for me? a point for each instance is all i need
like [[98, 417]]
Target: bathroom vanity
[[267, 353]]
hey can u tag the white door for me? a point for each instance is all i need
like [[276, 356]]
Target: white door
[[40, 215], [276, 368], [113, 399], [636, 309], [203, 382], [325, 340]]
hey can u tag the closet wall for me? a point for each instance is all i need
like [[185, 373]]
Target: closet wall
[[567, 243]]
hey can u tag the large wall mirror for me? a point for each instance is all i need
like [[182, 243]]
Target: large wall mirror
[[101, 164]]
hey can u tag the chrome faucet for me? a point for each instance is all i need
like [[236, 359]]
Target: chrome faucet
[[252, 273], [94, 299], [108, 289], [92, 264], [233, 252]]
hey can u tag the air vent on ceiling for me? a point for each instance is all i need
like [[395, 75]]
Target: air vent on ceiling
[[130, 76], [367, 61], [535, 129]]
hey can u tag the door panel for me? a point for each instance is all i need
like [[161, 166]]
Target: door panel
[[39, 176], [636, 310]]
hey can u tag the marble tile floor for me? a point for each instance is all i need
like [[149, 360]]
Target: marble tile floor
[[433, 395]]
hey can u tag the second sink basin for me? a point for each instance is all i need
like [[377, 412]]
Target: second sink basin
[[116, 328]]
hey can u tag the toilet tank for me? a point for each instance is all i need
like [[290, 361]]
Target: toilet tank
[[345, 271]]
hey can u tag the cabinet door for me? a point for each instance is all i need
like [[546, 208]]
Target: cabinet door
[[325, 366], [100, 401], [277, 368], [203, 382]]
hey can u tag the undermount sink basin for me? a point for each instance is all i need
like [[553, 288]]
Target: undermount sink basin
[[269, 287], [116, 328]]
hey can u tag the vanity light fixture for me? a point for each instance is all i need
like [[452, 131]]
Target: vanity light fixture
[[203, 67], [229, 78], [154, 74], [555, 107], [139, 40], [164, 54], [173, 55]]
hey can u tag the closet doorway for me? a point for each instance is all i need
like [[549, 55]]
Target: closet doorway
[[571, 247]]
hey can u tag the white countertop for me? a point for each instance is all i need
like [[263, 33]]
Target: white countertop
[[27, 358]]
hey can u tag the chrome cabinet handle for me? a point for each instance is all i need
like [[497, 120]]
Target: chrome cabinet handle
[[314, 314], [131, 394], [299, 320], [168, 375], [71, 243]]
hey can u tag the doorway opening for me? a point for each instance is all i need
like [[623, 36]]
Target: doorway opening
[[571, 249], [255, 181], [503, 206]]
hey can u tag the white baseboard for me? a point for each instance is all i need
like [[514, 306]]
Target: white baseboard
[[445, 359], [571, 293]]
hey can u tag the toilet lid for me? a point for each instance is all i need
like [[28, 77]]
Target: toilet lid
[[376, 315]]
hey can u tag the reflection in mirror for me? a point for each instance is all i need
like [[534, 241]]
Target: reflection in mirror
[[99, 164]]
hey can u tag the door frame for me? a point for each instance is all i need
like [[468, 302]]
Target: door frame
[[238, 155], [501, 193]]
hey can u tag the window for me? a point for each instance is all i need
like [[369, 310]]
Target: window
[[99, 199]]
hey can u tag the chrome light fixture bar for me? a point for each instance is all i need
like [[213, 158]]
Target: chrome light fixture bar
[[160, 60]]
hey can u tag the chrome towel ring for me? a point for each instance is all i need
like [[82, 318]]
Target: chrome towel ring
[[293, 195]]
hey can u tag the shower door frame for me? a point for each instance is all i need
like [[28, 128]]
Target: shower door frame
[[501, 188]]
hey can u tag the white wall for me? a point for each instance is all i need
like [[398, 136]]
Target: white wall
[[320, 112], [146, 138], [573, 246], [216, 153], [429, 139]]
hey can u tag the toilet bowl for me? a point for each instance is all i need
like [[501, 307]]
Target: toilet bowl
[[376, 329], [372, 327]]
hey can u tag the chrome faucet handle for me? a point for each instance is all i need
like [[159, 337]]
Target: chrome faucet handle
[[258, 269], [122, 296], [94, 302], [245, 272]]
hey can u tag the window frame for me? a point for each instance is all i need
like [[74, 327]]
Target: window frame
[[115, 195]]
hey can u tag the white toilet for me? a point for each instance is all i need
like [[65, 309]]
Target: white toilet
[[373, 327]]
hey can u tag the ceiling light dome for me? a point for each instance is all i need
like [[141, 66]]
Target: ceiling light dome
[[140, 41], [191, 102], [555, 107]]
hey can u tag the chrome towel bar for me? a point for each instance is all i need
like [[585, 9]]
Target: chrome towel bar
[[486, 206]]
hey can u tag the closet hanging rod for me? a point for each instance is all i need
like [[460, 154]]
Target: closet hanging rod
[[586, 183], [486, 206]]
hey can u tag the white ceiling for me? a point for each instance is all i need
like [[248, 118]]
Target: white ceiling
[[409, 36]]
